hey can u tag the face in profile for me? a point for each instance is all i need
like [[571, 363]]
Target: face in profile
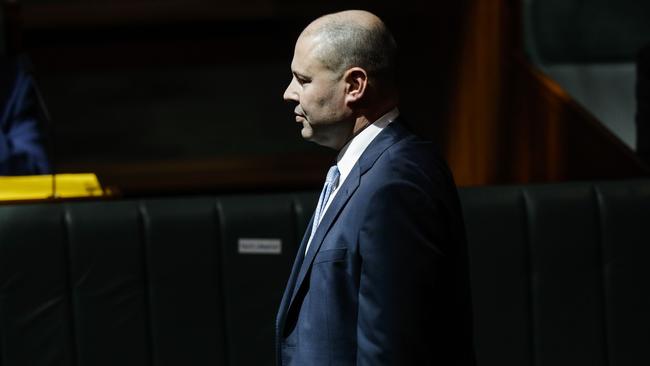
[[319, 94]]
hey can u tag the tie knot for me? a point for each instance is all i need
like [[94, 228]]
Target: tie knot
[[332, 175]]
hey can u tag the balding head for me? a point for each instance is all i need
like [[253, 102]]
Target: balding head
[[355, 38], [343, 76]]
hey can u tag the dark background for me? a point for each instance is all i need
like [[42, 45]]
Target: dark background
[[130, 82], [175, 96]]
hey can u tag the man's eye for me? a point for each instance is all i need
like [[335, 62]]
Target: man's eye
[[302, 81]]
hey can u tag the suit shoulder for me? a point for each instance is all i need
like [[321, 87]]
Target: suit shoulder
[[416, 158]]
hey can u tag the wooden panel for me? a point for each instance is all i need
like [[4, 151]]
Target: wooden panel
[[222, 174], [512, 124]]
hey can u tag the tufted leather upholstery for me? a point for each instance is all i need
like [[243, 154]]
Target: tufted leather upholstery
[[558, 275]]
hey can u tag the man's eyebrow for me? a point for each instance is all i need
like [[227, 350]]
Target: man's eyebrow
[[299, 75]]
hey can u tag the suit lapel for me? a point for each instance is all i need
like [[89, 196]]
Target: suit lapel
[[391, 134], [291, 283], [338, 202]]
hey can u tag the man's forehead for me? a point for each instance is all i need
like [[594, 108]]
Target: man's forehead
[[304, 56]]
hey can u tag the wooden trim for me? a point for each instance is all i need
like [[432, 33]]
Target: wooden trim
[[510, 123], [224, 174]]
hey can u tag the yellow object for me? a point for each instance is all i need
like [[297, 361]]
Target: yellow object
[[35, 187]]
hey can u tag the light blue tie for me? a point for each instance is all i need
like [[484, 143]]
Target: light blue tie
[[331, 181]]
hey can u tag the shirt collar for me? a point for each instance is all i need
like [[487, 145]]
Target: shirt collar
[[351, 152]]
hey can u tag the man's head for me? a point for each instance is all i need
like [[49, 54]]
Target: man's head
[[344, 76]]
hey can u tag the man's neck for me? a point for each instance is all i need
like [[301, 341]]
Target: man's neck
[[369, 117]]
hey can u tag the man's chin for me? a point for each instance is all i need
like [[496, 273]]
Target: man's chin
[[321, 135], [307, 131]]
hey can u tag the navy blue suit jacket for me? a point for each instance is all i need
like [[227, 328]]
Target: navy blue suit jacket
[[385, 281]]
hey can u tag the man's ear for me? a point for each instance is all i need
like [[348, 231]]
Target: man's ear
[[356, 82]]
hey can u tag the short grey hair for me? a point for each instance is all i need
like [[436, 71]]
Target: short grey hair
[[346, 45]]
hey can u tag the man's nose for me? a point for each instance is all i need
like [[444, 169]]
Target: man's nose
[[291, 94]]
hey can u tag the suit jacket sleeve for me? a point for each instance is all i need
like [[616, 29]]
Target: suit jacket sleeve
[[406, 277]]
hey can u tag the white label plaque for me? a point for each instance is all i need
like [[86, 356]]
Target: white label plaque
[[259, 246]]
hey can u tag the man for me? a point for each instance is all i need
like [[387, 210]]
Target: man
[[381, 275], [21, 141]]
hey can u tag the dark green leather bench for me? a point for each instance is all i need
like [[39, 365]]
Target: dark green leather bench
[[559, 277], [154, 282], [560, 273]]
